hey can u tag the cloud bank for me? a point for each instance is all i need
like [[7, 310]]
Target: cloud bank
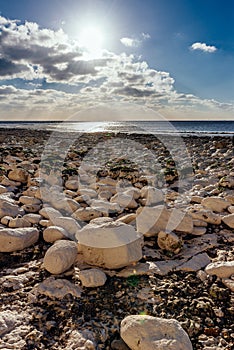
[[55, 79]]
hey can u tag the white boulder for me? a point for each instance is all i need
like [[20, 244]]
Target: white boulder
[[12, 239]]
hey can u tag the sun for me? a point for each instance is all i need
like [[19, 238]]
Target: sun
[[91, 39]]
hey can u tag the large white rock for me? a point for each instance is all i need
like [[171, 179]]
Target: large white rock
[[215, 204], [92, 278], [110, 245], [17, 239], [222, 269], [60, 257], [151, 220], [143, 332], [54, 233], [152, 195], [229, 220]]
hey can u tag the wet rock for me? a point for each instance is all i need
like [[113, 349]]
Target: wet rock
[[229, 220], [222, 269], [17, 239], [19, 175], [60, 257], [215, 204], [143, 332], [92, 278], [151, 220], [111, 245], [54, 233], [169, 241], [57, 288]]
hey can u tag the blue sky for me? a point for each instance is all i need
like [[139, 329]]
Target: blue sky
[[174, 57]]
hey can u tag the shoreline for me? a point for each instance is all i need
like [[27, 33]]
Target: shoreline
[[167, 282]]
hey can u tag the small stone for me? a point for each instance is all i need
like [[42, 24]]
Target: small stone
[[169, 241], [54, 233], [119, 345], [31, 208], [198, 231], [60, 257], [228, 283], [69, 224], [72, 184], [17, 239], [143, 332], [215, 204], [124, 200], [49, 213], [229, 220], [9, 209], [87, 214], [222, 269], [231, 209], [57, 288], [92, 278], [32, 218], [127, 219], [18, 174], [19, 222], [29, 200]]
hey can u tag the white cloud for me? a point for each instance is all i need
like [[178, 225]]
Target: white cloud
[[145, 36], [203, 47], [130, 42]]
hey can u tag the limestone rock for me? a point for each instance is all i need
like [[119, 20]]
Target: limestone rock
[[17, 239], [60, 257], [87, 214], [105, 207], [69, 224], [31, 208], [49, 213], [205, 215], [222, 269], [229, 220], [143, 332], [151, 220], [9, 209], [19, 222], [215, 204], [169, 241], [152, 195], [32, 218], [29, 200], [124, 200], [57, 288], [19, 175], [54, 233], [111, 245], [92, 278]]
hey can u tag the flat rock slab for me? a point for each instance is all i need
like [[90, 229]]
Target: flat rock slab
[[13, 239], [195, 263], [57, 288], [222, 269], [143, 332]]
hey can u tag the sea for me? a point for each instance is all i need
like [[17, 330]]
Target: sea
[[183, 128]]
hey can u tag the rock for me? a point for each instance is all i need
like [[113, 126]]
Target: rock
[[127, 219], [9, 183], [72, 185], [124, 200], [106, 207], [200, 223], [17, 239], [227, 181], [198, 231], [111, 245], [10, 209], [139, 269], [67, 205], [19, 175], [231, 209], [31, 208], [222, 269], [143, 332], [3, 189], [60, 257], [119, 345], [133, 192], [215, 204], [92, 278], [57, 288], [87, 214], [205, 215], [169, 241], [81, 340], [151, 220], [152, 195], [32, 218], [49, 213], [54, 233], [229, 220], [29, 200], [8, 321], [196, 199], [102, 220], [69, 224], [196, 263], [19, 222], [228, 283]]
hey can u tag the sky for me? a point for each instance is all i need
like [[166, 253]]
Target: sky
[[116, 59]]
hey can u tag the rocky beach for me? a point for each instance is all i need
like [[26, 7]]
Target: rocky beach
[[116, 241]]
